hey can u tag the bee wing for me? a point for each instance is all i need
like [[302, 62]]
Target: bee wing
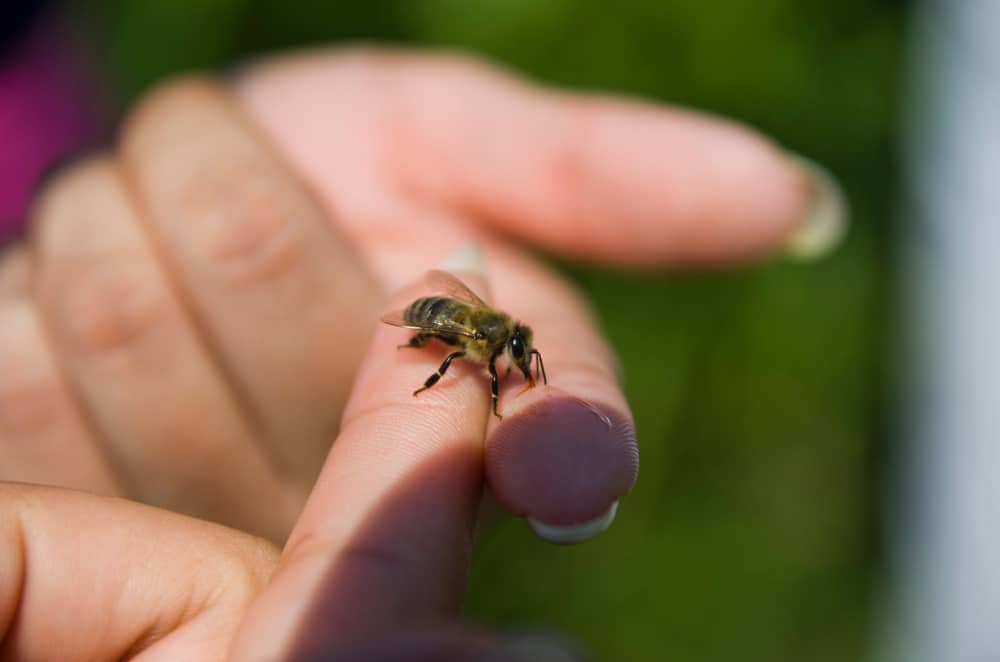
[[449, 285], [396, 318]]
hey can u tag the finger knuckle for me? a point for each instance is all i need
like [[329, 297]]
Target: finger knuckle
[[242, 222], [96, 293], [243, 569], [238, 209], [564, 174], [108, 305]]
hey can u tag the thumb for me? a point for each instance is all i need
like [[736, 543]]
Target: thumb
[[95, 578], [383, 543]]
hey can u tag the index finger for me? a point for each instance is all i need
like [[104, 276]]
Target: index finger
[[383, 542], [564, 453], [593, 176]]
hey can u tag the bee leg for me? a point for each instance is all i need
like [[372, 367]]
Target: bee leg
[[530, 382], [527, 387], [539, 365], [494, 386], [418, 340], [433, 379]]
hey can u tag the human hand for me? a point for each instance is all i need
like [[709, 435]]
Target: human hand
[[188, 322], [204, 308]]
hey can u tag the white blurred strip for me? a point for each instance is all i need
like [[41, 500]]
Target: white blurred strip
[[945, 523]]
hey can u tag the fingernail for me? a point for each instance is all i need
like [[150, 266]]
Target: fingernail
[[534, 648], [467, 257], [570, 535], [825, 223]]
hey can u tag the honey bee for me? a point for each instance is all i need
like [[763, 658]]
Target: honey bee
[[461, 319]]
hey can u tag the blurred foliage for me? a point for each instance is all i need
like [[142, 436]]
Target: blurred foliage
[[753, 533]]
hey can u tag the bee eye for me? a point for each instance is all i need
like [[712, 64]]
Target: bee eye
[[517, 347]]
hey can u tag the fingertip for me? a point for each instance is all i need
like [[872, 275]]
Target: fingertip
[[823, 224], [563, 463]]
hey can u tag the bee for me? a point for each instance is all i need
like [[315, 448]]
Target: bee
[[482, 333]]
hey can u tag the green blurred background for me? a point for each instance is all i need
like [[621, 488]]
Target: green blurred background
[[760, 394]]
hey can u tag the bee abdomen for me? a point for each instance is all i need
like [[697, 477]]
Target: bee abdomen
[[427, 310]]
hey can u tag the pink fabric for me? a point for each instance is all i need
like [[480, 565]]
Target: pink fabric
[[47, 110]]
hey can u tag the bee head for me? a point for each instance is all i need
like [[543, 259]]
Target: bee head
[[521, 352], [519, 345]]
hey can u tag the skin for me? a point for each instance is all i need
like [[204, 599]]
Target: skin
[[193, 322]]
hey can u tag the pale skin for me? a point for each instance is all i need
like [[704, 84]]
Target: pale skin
[[193, 322]]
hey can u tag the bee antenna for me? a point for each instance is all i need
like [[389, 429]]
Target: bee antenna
[[539, 366]]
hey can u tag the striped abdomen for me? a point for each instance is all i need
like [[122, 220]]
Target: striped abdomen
[[435, 311]]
